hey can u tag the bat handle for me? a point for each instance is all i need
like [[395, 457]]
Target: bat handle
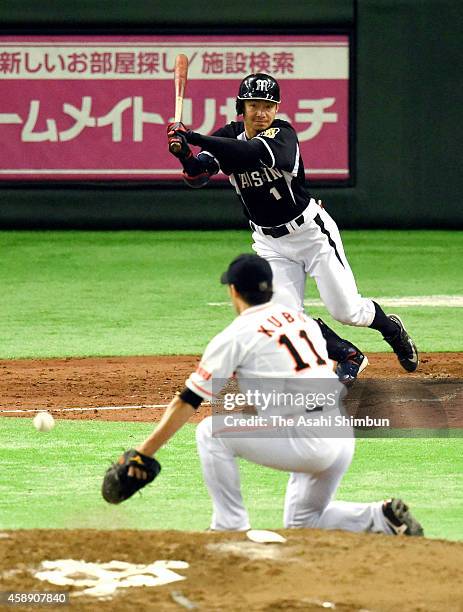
[[175, 147]]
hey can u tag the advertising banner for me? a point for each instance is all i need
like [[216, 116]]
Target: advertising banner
[[96, 107]]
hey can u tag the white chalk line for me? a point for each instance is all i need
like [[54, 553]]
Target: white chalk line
[[91, 409], [445, 301]]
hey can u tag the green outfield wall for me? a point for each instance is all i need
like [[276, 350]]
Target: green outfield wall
[[407, 106]]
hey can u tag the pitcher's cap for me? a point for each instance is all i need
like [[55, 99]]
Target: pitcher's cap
[[248, 273]]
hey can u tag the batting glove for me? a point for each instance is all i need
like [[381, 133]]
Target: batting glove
[[176, 132]]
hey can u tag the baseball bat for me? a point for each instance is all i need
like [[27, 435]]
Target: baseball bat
[[180, 79]]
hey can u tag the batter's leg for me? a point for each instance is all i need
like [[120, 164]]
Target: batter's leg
[[338, 290], [308, 501], [327, 264], [288, 282], [288, 276]]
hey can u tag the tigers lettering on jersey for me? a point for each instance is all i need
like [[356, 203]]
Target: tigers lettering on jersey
[[272, 191], [258, 177]]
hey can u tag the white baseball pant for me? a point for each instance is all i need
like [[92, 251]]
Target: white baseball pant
[[316, 249], [316, 467]]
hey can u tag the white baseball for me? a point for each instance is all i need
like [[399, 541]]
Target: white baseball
[[43, 421]]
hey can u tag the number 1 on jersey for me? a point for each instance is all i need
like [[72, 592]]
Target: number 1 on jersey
[[275, 193]]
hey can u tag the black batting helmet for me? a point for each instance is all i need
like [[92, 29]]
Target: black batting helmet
[[257, 86]]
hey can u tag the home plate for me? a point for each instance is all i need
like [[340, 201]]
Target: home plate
[[262, 536]]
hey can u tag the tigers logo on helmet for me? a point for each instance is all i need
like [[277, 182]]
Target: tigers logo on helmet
[[257, 86]]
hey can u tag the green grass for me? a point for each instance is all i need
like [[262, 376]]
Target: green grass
[[126, 293], [57, 478]]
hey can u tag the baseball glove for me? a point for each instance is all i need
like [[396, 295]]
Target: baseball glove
[[118, 485]]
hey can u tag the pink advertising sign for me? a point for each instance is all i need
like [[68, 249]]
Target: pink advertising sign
[[96, 107]]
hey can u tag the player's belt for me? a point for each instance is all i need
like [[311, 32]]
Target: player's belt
[[279, 230]]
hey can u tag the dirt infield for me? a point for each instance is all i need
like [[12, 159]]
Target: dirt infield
[[313, 570], [57, 384]]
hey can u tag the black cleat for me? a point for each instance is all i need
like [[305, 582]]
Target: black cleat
[[403, 346], [399, 518], [348, 370], [351, 361]]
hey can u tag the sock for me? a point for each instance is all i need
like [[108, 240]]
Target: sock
[[383, 323], [338, 348]]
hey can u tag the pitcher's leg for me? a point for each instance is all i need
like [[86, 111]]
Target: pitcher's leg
[[308, 500], [286, 451], [221, 475]]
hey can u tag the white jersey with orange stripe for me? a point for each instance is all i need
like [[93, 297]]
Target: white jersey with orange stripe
[[266, 341]]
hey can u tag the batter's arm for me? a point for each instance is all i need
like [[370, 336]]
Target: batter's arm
[[236, 155], [197, 170]]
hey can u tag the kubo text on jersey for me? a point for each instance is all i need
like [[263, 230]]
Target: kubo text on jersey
[[275, 323]]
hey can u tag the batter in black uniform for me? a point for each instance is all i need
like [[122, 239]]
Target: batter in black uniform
[[291, 230]]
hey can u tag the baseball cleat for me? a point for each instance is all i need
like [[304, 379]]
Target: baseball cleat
[[403, 346], [351, 361], [348, 370], [399, 518]]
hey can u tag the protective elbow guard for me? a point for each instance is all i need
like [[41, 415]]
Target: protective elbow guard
[[198, 170], [196, 181]]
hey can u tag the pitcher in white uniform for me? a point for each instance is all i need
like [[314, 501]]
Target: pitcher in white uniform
[[271, 341]]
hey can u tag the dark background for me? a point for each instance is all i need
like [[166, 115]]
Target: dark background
[[407, 98]]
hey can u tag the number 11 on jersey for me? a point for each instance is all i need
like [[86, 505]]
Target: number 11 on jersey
[[299, 361]]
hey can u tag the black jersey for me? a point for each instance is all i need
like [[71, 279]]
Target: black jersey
[[274, 190]]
